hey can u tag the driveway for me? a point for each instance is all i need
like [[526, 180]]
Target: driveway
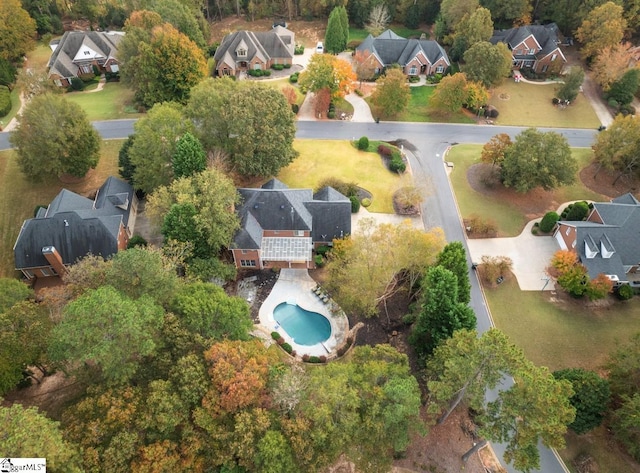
[[530, 254]]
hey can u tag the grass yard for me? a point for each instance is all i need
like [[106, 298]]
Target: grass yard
[[15, 106], [525, 104], [322, 159], [112, 102], [509, 219], [18, 197], [38, 58], [357, 34], [283, 83], [564, 334]]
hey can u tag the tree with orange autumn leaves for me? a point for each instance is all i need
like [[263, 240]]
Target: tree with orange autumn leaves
[[572, 276], [327, 71]]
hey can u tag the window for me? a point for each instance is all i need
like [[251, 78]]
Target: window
[[413, 70], [241, 52], [554, 56], [28, 273], [45, 272], [115, 68], [439, 69], [573, 245], [86, 69], [257, 67], [545, 67], [568, 230], [298, 233], [532, 51], [247, 263]]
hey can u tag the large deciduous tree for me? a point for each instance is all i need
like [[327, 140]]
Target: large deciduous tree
[[183, 18], [13, 291], [538, 159], [624, 88], [328, 71], [625, 425], [54, 137], [453, 11], [472, 29], [603, 27], [109, 329], [441, 312], [392, 94], [364, 65], [618, 147], [590, 398], [232, 116], [450, 94], [487, 63], [610, 64], [206, 309], [370, 266], [17, 31], [27, 433], [163, 67], [212, 196], [505, 13], [154, 145], [494, 150]]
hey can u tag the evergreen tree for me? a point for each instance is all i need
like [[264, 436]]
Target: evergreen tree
[[335, 39], [189, 157]]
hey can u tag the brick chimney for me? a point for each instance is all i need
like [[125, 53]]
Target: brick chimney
[[54, 259]]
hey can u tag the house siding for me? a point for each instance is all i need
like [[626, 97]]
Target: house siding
[[594, 216], [568, 235], [242, 257]]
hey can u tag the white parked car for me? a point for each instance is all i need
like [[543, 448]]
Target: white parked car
[[320, 47]]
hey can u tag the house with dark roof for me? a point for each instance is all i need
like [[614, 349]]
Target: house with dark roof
[[73, 226], [280, 227], [249, 50], [608, 242], [535, 47], [415, 56], [75, 54]]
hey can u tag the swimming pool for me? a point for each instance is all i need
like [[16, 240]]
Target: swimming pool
[[304, 327]]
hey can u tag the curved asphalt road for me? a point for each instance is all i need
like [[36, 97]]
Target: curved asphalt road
[[428, 144]]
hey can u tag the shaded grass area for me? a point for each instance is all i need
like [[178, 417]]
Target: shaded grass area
[[322, 159], [525, 104], [597, 444], [509, 219], [38, 58], [284, 83], [15, 106], [110, 103], [418, 109], [19, 197]]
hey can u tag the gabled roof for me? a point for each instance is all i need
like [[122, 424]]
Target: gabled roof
[[76, 226], [390, 49], [616, 240], [97, 45], [274, 206], [277, 43], [547, 37]]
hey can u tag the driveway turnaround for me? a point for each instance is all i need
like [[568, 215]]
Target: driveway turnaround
[[530, 254]]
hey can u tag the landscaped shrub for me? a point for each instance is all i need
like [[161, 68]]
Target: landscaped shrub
[[77, 83], [276, 335], [578, 211], [136, 240], [355, 204], [359, 93], [349, 341], [295, 108], [322, 250], [624, 292], [479, 226], [286, 347], [5, 101], [299, 49], [305, 357], [277, 67], [414, 79], [491, 112], [112, 76], [548, 221], [287, 66], [331, 114], [555, 101], [363, 143], [293, 78], [345, 188], [366, 202], [397, 164], [280, 341], [385, 151], [613, 103], [314, 359], [318, 260], [627, 109], [266, 72], [322, 358]]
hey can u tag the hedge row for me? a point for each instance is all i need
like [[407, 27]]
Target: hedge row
[[5, 100]]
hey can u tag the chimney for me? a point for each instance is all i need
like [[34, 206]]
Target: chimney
[[54, 259]]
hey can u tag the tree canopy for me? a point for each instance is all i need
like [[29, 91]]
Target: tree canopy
[[590, 397], [603, 27], [257, 140], [618, 147], [326, 71], [337, 34], [189, 157], [538, 159], [571, 84], [391, 95], [17, 31], [54, 137], [454, 258], [487, 63]]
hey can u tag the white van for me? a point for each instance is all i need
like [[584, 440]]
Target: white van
[[320, 47]]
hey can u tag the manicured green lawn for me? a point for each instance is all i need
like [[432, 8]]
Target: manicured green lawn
[[525, 104], [110, 103], [18, 197], [15, 106], [357, 34], [322, 159], [509, 219]]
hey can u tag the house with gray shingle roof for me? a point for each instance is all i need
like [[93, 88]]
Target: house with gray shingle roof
[[280, 227], [73, 226], [75, 54], [535, 47], [248, 50], [608, 242], [415, 56]]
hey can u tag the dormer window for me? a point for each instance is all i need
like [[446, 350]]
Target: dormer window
[[241, 52]]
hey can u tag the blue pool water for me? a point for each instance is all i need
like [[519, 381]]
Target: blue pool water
[[305, 327]]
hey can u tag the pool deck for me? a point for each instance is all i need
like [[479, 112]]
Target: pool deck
[[296, 286]]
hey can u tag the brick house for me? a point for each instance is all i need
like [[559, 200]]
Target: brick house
[[73, 226], [535, 47], [77, 52], [280, 227], [414, 56], [607, 242], [245, 50]]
